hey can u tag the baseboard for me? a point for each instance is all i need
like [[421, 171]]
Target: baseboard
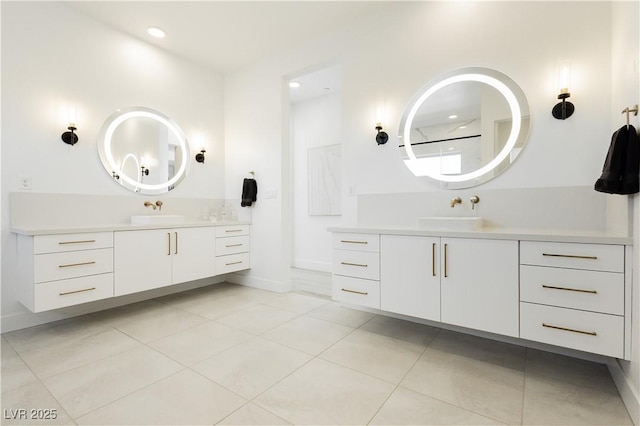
[[260, 283], [627, 392]]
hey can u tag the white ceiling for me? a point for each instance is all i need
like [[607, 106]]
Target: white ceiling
[[227, 35]]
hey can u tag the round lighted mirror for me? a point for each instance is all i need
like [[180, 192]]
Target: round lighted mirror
[[143, 150], [464, 127]]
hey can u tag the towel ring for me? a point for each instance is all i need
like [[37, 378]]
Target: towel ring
[[628, 110]]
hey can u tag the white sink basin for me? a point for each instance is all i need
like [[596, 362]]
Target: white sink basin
[[450, 223], [156, 219]]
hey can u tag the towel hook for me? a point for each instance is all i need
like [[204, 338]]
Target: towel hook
[[628, 110]]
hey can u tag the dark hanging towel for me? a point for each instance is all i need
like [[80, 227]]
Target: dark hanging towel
[[621, 171], [249, 192]]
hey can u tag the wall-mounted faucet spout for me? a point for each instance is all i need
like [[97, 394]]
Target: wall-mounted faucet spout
[[149, 203], [456, 200]]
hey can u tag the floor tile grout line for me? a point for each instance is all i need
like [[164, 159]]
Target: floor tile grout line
[[402, 379]]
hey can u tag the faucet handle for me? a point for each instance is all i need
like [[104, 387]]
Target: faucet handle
[[159, 204], [474, 200]]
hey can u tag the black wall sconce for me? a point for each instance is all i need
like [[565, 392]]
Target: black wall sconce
[[70, 137], [144, 170], [200, 156], [381, 137], [564, 109]]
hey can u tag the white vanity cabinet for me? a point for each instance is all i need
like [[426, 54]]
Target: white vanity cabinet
[[471, 283], [148, 259], [573, 295], [479, 284], [55, 271], [232, 248], [410, 276], [356, 269]]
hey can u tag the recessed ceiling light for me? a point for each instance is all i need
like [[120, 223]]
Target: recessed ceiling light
[[156, 32], [294, 84], [452, 116]]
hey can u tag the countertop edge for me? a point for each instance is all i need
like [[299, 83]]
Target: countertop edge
[[496, 234], [21, 230]]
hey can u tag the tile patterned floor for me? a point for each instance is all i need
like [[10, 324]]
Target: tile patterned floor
[[233, 355]]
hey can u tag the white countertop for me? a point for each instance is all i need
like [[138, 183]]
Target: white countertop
[[23, 230], [567, 236]]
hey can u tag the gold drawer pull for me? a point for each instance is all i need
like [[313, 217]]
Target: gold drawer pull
[[76, 264], [232, 263], [233, 245], [570, 256], [590, 333], [354, 242], [233, 230], [570, 289], [364, 293], [76, 242], [77, 291], [354, 264]]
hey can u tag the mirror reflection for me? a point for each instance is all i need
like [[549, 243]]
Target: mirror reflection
[[143, 150], [464, 127]]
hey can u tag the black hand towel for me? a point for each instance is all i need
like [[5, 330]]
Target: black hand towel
[[249, 192], [620, 174]]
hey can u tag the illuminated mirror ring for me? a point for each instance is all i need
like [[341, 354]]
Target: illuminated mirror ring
[[518, 107], [115, 166]]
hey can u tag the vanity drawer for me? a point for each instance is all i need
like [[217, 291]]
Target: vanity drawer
[[71, 242], [232, 263], [232, 245], [596, 257], [60, 294], [586, 331], [358, 264], [60, 266], [573, 288], [232, 230], [356, 291], [359, 242]]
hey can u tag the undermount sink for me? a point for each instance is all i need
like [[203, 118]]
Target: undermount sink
[[156, 219], [450, 223]]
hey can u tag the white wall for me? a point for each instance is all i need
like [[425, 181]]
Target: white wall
[[314, 123], [53, 57], [385, 58], [625, 92]]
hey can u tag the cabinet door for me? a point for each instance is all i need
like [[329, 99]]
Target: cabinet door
[[142, 260], [480, 284], [409, 279], [193, 252]]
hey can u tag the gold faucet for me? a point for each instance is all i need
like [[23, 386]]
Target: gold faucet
[[456, 200], [149, 203]]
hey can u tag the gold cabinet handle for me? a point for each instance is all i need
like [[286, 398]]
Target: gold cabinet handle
[[233, 230], [233, 263], [76, 264], [77, 291], [556, 327], [445, 260], [569, 289], [354, 264], [570, 256], [76, 242], [364, 293], [233, 245], [433, 259], [176, 252], [354, 242], [169, 240]]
